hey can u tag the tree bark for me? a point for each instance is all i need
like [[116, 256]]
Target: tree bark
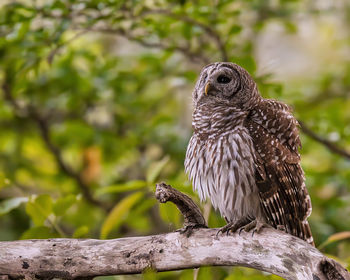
[[271, 251]]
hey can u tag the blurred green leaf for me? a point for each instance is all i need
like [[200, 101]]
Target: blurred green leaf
[[335, 237], [9, 204], [39, 208], [39, 232], [170, 214], [63, 204], [235, 29], [119, 213], [155, 169], [150, 274], [81, 232], [119, 188], [4, 181]]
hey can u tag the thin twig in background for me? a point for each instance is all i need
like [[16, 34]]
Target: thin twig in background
[[328, 144], [211, 32], [193, 56], [54, 51], [43, 125], [56, 152]]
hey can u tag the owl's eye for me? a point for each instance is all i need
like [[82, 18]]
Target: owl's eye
[[222, 79]]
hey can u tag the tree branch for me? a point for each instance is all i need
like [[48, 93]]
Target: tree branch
[[195, 57], [56, 152], [42, 123], [193, 217], [211, 32], [328, 144], [271, 251]]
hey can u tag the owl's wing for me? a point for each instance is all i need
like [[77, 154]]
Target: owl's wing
[[279, 176]]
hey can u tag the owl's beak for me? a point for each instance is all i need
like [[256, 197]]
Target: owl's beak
[[206, 89]]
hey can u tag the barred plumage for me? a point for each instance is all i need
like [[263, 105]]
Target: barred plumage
[[243, 154]]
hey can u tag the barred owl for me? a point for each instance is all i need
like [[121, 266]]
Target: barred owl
[[244, 156]]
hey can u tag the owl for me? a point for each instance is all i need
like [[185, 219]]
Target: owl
[[243, 154]]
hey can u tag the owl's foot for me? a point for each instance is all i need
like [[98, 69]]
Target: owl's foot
[[189, 229], [233, 226], [243, 224], [255, 225]]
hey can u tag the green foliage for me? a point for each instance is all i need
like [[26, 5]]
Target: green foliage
[[39, 209], [94, 110], [119, 213], [9, 204]]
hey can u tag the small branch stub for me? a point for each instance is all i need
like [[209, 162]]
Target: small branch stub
[[193, 217]]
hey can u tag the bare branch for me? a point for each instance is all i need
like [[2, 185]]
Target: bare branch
[[328, 144], [271, 251]]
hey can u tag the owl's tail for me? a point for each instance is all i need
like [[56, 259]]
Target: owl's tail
[[307, 235], [303, 231]]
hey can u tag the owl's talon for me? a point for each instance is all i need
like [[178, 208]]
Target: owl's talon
[[250, 226], [232, 226], [224, 229], [254, 225], [255, 230]]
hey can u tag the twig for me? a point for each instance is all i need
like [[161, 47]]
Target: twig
[[53, 52], [196, 57], [328, 144], [193, 56], [56, 152], [211, 32]]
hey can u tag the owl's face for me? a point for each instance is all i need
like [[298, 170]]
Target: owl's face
[[224, 82]]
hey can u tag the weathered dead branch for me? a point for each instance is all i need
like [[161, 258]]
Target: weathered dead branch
[[271, 250]]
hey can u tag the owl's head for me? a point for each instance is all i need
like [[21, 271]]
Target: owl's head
[[225, 83]]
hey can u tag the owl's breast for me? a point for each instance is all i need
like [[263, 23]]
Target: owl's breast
[[215, 120], [223, 169]]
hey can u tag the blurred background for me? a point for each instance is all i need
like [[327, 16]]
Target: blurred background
[[95, 108]]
